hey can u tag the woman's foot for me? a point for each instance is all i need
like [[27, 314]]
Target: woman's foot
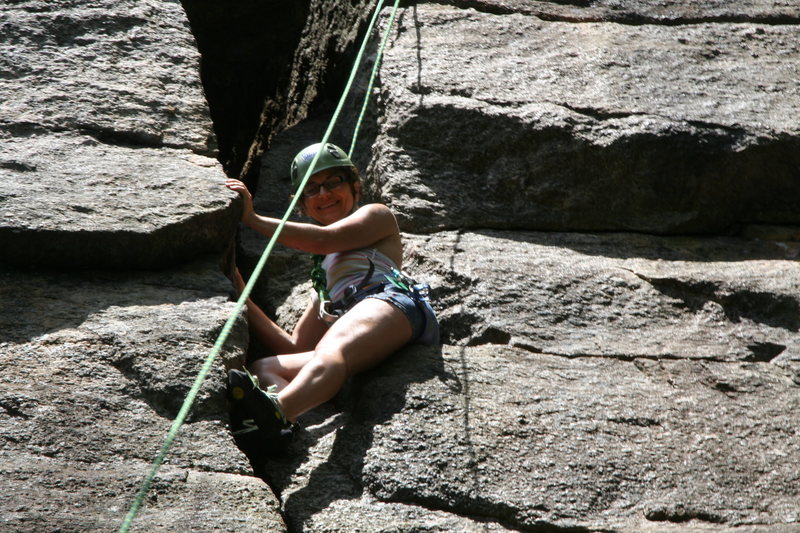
[[260, 404]]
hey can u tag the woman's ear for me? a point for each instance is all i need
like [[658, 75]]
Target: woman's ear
[[356, 191], [300, 206]]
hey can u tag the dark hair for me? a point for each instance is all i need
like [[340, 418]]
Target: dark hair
[[352, 175]]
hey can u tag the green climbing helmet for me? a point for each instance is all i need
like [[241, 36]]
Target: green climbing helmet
[[331, 156]]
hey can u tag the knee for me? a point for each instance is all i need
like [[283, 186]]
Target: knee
[[329, 362], [265, 366]]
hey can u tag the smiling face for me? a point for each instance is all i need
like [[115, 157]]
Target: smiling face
[[329, 206]]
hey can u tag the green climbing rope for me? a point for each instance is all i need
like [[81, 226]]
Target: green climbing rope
[[241, 302], [378, 58]]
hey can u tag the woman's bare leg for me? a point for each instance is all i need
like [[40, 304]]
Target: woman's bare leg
[[362, 338], [280, 369]]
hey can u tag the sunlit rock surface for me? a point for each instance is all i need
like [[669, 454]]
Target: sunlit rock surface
[[603, 195]]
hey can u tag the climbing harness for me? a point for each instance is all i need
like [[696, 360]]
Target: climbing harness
[[248, 288], [329, 311], [419, 293]]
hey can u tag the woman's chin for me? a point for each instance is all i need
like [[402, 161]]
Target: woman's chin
[[329, 214]]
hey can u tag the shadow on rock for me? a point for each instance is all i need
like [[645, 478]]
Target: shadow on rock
[[37, 302], [656, 247], [154, 328], [325, 462]]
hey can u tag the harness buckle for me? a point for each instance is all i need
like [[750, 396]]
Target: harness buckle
[[327, 312], [422, 290]]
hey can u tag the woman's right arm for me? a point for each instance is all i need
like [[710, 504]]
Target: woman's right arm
[[310, 328], [305, 336]]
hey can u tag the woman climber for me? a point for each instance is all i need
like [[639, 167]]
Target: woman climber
[[365, 308]]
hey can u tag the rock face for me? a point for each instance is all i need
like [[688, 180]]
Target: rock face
[[107, 149], [604, 196], [106, 163], [95, 367], [591, 126]]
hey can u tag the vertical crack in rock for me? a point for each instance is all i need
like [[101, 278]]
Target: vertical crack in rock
[[264, 66], [246, 54]]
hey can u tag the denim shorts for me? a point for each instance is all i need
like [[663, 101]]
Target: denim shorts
[[424, 325]]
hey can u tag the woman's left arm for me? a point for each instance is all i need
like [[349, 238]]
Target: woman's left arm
[[366, 226]]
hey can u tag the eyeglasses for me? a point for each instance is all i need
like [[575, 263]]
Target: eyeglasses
[[331, 184]]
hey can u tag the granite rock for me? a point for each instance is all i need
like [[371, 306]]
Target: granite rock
[[509, 121], [603, 195]]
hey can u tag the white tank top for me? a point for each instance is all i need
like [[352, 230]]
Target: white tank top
[[343, 269]]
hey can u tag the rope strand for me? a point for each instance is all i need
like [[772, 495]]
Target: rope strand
[[378, 58]]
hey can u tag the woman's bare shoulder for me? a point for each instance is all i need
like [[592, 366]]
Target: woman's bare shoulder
[[375, 208]]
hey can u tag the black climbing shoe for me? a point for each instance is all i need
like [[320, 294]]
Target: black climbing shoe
[[254, 443], [259, 404], [242, 424]]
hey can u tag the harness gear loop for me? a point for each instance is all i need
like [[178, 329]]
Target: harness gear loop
[[329, 311]]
